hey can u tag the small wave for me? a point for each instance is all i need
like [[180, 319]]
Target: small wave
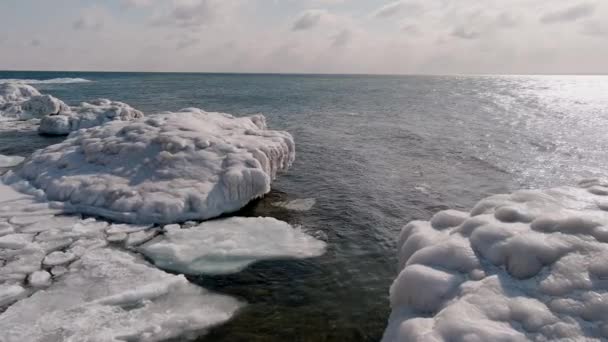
[[63, 80]]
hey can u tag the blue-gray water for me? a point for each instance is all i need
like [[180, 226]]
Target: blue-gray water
[[375, 152]]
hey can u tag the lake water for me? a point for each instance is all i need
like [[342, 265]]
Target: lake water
[[374, 152]]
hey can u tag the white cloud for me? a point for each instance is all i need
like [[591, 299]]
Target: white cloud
[[308, 19], [571, 13]]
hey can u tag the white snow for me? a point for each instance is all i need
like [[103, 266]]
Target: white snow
[[114, 296], [87, 115], [10, 161], [300, 204], [10, 293], [526, 266], [23, 102], [167, 168], [229, 245], [61, 80]]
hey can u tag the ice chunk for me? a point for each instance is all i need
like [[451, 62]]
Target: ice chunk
[[40, 279], [88, 115], [10, 294], [297, 204], [58, 258], [230, 245], [22, 102], [167, 168], [10, 161], [525, 266], [114, 296]]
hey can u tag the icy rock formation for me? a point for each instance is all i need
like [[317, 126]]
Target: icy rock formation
[[166, 168], [87, 115], [526, 266], [23, 102], [229, 245], [81, 290], [10, 161]]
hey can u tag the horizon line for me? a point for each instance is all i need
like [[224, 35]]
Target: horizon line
[[304, 73]]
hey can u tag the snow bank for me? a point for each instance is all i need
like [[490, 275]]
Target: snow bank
[[87, 115], [526, 266], [62, 80], [170, 167], [23, 102], [229, 245], [10, 161], [62, 282]]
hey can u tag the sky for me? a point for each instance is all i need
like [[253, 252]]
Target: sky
[[307, 36]]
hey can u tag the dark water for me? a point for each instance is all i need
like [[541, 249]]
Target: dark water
[[375, 152]]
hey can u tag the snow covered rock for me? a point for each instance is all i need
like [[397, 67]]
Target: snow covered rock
[[229, 245], [10, 161], [526, 266], [113, 296], [23, 102], [166, 168], [87, 115]]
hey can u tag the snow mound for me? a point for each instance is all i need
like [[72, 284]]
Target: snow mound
[[88, 115], [61, 80], [10, 161], [113, 296], [169, 167], [23, 102], [229, 245], [526, 266]]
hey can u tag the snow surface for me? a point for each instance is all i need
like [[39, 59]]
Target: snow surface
[[526, 266], [20, 101], [166, 168], [87, 115], [229, 245], [10, 161], [62, 80]]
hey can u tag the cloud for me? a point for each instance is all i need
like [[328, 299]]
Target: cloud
[[572, 13], [35, 42], [595, 29], [137, 3], [91, 18], [342, 38], [187, 42], [465, 32], [389, 10], [192, 13], [308, 19]]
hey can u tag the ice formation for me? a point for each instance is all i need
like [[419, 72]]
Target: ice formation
[[10, 161], [62, 80], [20, 101], [60, 281], [166, 168], [229, 245], [87, 115], [526, 266], [299, 204]]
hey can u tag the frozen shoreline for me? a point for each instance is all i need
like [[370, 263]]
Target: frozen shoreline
[[525, 266]]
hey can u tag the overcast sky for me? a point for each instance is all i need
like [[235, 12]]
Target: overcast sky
[[318, 36]]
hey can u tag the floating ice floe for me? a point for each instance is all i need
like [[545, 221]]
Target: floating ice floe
[[229, 245], [10, 161], [167, 168], [297, 205], [526, 266], [62, 80], [87, 115], [110, 295], [23, 102], [62, 282]]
